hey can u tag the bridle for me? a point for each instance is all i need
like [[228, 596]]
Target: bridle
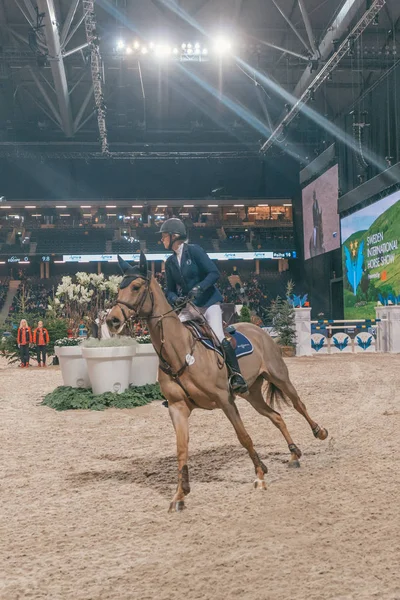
[[135, 309], [164, 364]]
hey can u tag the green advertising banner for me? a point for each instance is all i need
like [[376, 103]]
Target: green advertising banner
[[371, 258]]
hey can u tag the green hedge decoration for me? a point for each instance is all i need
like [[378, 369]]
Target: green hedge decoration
[[68, 398]]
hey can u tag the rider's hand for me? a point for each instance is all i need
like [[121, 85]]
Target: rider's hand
[[195, 293], [179, 301]]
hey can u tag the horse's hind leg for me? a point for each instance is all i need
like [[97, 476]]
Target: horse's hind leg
[[288, 388], [231, 411], [179, 413], [256, 399]]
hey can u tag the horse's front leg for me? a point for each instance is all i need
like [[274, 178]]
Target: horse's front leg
[[180, 413]]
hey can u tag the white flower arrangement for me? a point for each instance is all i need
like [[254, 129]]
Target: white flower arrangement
[[84, 296], [67, 342], [143, 339]]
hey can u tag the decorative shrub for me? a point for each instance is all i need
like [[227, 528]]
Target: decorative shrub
[[245, 315], [68, 398], [282, 316]]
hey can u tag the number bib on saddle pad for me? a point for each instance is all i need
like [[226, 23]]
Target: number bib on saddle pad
[[241, 343]]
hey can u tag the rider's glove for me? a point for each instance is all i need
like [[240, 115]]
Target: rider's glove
[[195, 293], [179, 301]]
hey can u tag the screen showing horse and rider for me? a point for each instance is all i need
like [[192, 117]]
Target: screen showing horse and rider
[[371, 257], [320, 215]]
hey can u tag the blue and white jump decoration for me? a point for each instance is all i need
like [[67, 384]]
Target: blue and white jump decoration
[[326, 340], [319, 338]]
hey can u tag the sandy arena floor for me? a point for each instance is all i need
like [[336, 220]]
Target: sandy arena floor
[[84, 496]]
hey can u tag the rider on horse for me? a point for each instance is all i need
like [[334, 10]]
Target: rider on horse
[[190, 272]]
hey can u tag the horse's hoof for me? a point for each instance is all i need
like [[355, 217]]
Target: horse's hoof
[[320, 432], [323, 434], [176, 506], [294, 464], [260, 484]]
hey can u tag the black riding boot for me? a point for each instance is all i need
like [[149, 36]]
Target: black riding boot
[[236, 379]]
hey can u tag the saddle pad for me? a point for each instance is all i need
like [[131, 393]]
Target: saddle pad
[[243, 344]]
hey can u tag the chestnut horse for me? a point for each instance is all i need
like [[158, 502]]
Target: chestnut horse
[[191, 376]]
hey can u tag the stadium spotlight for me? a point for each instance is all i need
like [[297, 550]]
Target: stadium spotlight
[[151, 45], [175, 51], [136, 45], [129, 50], [222, 45], [205, 51], [120, 45], [144, 50], [162, 51], [183, 46]]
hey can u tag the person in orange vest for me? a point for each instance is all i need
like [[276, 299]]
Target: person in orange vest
[[41, 339], [24, 339]]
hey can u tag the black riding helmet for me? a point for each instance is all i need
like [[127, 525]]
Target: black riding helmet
[[174, 226]]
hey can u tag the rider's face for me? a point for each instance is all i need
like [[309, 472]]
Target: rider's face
[[166, 240]]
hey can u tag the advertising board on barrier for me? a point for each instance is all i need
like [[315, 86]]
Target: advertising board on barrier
[[371, 257], [82, 258]]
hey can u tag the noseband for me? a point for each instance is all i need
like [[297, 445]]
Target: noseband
[[138, 307]]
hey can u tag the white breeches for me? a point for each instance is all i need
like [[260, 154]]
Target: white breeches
[[213, 316]]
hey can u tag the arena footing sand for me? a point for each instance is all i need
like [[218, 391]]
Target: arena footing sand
[[84, 496]]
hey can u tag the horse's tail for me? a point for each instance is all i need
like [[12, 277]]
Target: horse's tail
[[276, 398]]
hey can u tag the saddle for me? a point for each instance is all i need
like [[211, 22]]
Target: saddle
[[239, 342]]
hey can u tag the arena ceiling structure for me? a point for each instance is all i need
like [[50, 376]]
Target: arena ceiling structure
[[151, 79]]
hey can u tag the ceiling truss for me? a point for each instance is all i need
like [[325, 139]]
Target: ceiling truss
[[344, 48]]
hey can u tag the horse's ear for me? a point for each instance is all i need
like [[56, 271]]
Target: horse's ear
[[143, 264], [124, 266]]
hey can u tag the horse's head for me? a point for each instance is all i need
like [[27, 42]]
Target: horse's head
[[134, 296]]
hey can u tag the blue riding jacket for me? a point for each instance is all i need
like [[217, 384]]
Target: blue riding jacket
[[196, 269]]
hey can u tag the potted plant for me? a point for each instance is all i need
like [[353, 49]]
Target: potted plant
[[144, 363], [73, 367], [81, 299], [282, 315], [109, 363]]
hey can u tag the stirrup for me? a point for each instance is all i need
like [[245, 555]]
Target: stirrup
[[239, 387]]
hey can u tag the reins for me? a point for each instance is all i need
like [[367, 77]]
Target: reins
[[164, 364]]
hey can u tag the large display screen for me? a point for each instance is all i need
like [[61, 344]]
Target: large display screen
[[371, 257], [320, 214]]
